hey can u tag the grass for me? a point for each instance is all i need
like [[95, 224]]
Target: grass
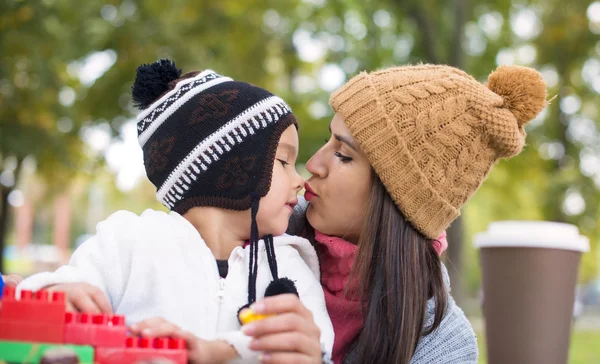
[[585, 347]]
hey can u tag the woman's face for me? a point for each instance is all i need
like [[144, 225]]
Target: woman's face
[[339, 188]]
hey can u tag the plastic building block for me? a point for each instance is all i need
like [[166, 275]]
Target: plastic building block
[[32, 331], [35, 317], [138, 349], [96, 330], [31, 352], [247, 316], [42, 306]]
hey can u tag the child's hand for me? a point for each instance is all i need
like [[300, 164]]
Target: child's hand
[[199, 351], [289, 336], [83, 297], [11, 279]]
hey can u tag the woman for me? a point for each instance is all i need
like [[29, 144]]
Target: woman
[[409, 146]]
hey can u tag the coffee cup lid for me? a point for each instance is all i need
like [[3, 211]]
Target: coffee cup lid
[[532, 234]]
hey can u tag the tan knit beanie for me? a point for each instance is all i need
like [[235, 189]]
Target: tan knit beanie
[[432, 133]]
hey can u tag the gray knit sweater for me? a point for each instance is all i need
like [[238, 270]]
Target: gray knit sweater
[[453, 342]]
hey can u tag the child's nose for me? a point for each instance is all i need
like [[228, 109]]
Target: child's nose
[[298, 181]]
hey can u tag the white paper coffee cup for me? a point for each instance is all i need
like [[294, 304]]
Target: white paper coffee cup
[[529, 271]]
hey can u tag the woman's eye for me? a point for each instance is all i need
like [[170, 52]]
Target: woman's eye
[[284, 163], [343, 158]]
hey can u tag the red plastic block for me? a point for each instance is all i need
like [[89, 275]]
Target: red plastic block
[[110, 356], [96, 330], [138, 349], [41, 306], [32, 331], [35, 317]]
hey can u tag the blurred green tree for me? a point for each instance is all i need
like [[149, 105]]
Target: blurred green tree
[[66, 68]]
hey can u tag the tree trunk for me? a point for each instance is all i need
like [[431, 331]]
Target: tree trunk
[[456, 230], [428, 32], [457, 55]]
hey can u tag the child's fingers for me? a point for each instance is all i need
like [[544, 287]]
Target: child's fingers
[[156, 326], [70, 307], [84, 303], [147, 323], [165, 329], [12, 279], [283, 358], [83, 297], [100, 300], [282, 303], [144, 324], [287, 322], [287, 342]]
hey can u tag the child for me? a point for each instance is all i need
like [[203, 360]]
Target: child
[[216, 150]]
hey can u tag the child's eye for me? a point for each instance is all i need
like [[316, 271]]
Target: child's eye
[[284, 163], [343, 158]]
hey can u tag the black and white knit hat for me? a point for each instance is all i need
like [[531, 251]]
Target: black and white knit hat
[[210, 141]]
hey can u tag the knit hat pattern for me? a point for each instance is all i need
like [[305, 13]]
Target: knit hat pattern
[[432, 133], [208, 141]]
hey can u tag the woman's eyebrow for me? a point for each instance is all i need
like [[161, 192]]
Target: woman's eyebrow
[[343, 139]]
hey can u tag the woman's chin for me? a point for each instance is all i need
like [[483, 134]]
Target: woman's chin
[[315, 220]]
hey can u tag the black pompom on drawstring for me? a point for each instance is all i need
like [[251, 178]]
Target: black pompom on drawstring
[[278, 285], [151, 81], [281, 286]]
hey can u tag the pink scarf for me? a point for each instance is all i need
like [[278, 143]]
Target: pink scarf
[[336, 256]]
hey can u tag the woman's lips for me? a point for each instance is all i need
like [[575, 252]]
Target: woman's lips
[[309, 194]]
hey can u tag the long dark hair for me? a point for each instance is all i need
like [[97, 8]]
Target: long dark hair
[[398, 271]]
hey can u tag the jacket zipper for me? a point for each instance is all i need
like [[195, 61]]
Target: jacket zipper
[[220, 300], [221, 290]]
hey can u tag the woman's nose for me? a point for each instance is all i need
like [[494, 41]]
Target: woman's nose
[[316, 165]]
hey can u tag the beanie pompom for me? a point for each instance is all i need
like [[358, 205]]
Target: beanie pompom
[[523, 90], [152, 80]]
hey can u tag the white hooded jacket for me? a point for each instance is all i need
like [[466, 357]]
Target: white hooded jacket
[[157, 264]]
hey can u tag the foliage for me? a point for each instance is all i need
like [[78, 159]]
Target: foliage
[[302, 50]]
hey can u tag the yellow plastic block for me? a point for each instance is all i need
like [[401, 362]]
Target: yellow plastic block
[[247, 316]]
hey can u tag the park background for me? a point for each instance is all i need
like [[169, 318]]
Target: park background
[[68, 150]]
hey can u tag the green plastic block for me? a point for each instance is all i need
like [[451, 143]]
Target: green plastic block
[[27, 352]]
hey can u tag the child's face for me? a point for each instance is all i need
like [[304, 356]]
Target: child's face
[[276, 207]]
